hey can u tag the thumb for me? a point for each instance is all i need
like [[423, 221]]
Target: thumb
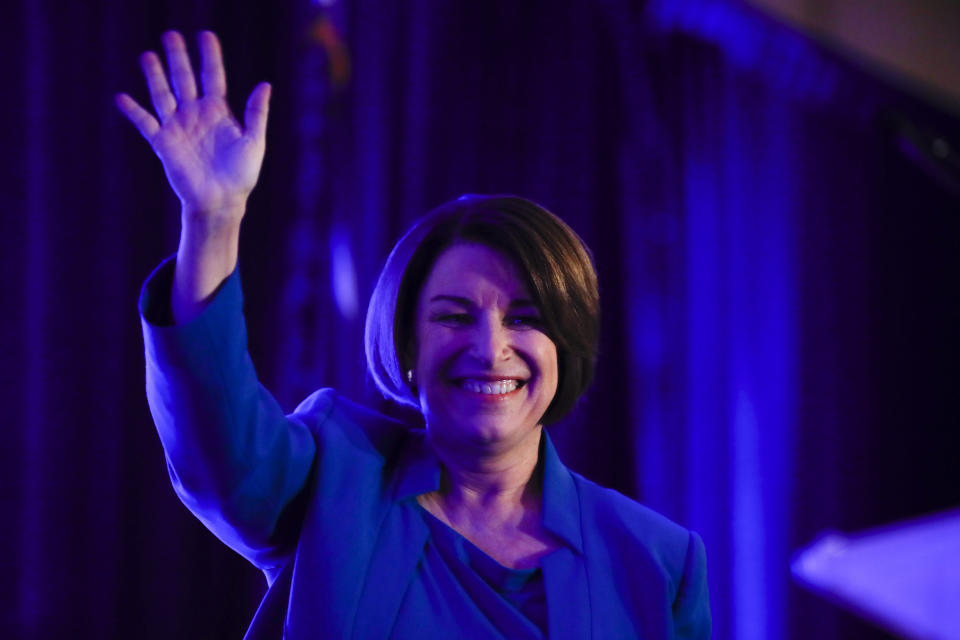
[[255, 115]]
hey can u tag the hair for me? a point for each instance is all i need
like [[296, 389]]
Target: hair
[[556, 263]]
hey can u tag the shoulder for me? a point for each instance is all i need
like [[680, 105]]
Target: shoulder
[[337, 421], [610, 509], [629, 527], [639, 553], [644, 571]]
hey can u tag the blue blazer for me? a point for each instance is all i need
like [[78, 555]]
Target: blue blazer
[[324, 502]]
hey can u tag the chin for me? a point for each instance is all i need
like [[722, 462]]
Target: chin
[[485, 430]]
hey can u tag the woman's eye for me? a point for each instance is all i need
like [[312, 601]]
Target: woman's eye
[[524, 321], [452, 318]]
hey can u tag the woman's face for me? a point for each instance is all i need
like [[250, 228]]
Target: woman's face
[[485, 370]]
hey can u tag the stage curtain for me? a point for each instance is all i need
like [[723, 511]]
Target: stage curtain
[[779, 344]]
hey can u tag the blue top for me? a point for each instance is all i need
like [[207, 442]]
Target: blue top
[[324, 502], [515, 598]]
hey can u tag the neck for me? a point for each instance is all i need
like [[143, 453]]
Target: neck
[[492, 485]]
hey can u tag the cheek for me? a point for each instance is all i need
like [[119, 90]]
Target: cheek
[[546, 356], [554, 374], [434, 352]]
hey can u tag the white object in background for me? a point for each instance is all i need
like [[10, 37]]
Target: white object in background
[[905, 577]]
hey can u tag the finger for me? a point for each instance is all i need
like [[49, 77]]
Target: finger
[[181, 73], [163, 101], [212, 76], [145, 123], [258, 106]]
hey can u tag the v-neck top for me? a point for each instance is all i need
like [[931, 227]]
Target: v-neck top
[[515, 600]]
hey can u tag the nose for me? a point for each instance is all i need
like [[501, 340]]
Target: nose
[[490, 342]]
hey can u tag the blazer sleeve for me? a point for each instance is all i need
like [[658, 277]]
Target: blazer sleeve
[[235, 460], [691, 607]]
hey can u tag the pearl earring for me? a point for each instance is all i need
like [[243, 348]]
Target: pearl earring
[[410, 376]]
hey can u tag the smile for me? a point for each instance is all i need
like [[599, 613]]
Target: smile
[[487, 387]]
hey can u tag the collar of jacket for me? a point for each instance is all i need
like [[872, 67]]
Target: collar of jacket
[[420, 470]]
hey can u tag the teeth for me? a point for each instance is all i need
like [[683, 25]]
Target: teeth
[[489, 388]]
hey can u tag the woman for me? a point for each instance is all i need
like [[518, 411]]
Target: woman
[[485, 318]]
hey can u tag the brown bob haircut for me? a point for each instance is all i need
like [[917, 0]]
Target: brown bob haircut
[[560, 277]]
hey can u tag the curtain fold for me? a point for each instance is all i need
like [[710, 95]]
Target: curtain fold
[[779, 342]]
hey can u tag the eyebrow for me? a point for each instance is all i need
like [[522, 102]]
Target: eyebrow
[[466, 302]]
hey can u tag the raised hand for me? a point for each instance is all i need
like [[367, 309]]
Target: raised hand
[[211, 161]]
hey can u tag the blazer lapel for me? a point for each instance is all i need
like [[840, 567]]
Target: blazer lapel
[[396, 555], [568, 601], [564, 571], [401, 542]]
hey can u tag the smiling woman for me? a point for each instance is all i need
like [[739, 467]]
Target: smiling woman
[[485, 318], [484, 381], [481, 374], [555, 269]]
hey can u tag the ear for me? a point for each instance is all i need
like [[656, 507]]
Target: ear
[[408, 359]]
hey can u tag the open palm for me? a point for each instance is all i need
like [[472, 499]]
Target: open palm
[[211, 161]]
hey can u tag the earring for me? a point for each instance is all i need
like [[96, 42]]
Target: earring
[[410, 376]]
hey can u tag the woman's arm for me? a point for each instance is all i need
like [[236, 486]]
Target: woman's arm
[[211, 161], [235, 460], [233, 456]]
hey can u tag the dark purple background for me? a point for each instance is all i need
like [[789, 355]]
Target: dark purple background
[[779, 278]]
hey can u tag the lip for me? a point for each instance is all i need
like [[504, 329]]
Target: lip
[[490, 398], [487, 377]]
